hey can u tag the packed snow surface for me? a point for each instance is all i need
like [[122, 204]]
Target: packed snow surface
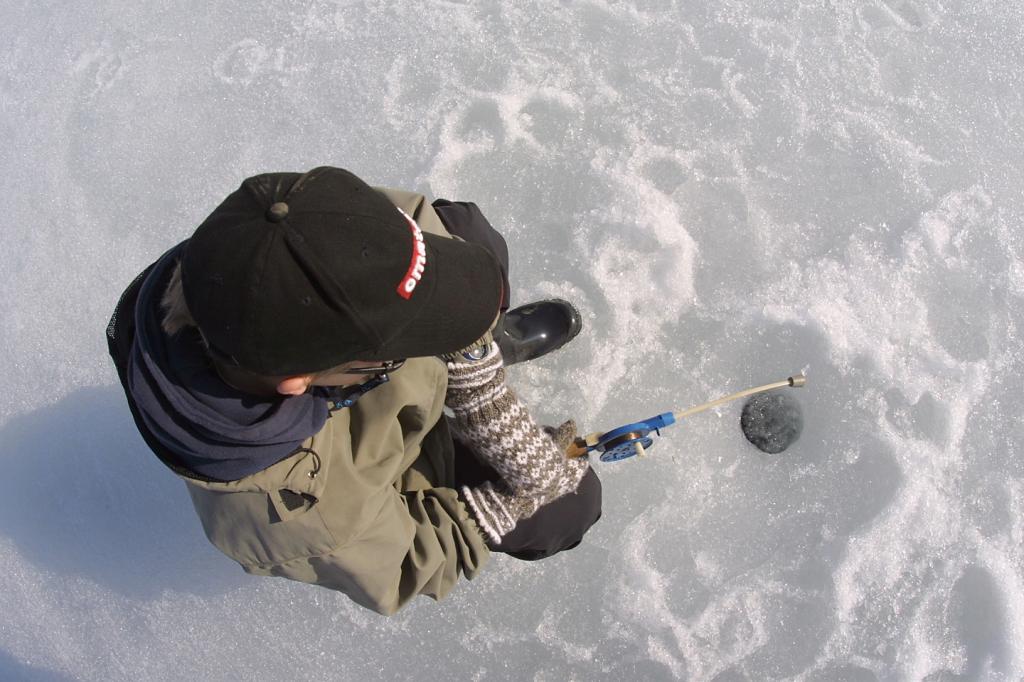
[[731, 192]]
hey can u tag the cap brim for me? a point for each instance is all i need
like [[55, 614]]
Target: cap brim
[[462, 302]]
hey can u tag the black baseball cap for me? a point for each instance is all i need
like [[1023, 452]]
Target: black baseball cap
[[296, 273]]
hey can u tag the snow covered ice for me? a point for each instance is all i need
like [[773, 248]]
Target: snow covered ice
[[731, 192]]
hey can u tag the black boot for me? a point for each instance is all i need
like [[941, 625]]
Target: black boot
[[535, 329]]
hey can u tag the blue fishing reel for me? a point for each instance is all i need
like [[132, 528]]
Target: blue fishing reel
[[628, 440]]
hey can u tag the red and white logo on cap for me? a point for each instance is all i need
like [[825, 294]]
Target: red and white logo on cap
[[419, 260]]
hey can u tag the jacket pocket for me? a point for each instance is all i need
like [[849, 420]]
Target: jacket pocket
[[259, 530]]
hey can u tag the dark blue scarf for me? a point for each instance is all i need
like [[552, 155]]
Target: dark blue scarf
[[215, 430]]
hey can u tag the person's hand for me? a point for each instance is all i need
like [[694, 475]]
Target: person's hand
[[564, 434], [497, 509], [490, 419], [531, 461]]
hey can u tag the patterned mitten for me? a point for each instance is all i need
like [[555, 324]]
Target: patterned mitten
[[496, 509], [489, 418], [531, 461]]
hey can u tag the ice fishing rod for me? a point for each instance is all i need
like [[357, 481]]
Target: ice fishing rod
[[635, 439]]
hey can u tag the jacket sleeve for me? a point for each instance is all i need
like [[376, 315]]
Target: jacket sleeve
[[395, 523], [406, 543], [363, 535], [382, 570]]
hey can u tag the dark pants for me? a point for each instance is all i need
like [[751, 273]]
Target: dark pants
[[556, 526]]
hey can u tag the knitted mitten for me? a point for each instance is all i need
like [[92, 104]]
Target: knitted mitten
[[489, 418], [496, 509]]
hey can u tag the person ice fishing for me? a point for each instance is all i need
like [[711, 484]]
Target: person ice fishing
[[292, 362]]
